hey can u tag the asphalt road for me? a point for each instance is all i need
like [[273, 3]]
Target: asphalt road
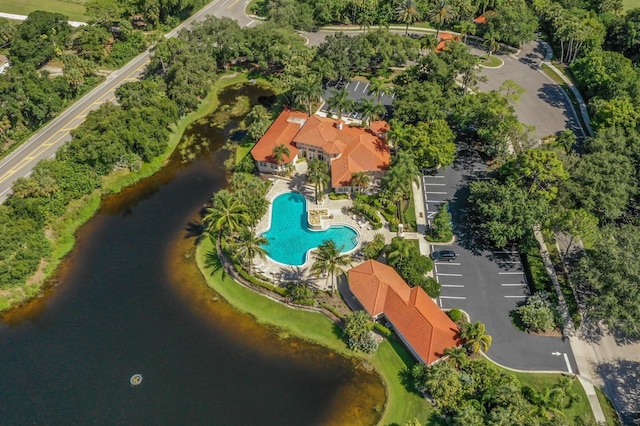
[[487, 284], [45, 142]]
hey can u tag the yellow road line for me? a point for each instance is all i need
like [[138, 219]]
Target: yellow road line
[[233, 4], [34, 154]]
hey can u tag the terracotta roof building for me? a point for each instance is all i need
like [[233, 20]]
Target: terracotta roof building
[[346, 149], [420, 323], [482, 19], [444, 39]]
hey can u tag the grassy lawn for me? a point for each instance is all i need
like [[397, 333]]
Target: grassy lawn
[[491, 61], [607, 407], [630, 4], [390, 359], [540, 381], [73, 9]]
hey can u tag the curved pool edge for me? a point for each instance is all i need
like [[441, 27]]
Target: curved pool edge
[[307, 257]]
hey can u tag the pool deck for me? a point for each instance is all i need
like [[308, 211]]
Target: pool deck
[[279, 273]]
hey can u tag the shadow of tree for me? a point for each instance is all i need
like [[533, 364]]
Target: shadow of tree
[[622, 385]]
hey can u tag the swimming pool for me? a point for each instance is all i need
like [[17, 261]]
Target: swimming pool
[[289, 236]]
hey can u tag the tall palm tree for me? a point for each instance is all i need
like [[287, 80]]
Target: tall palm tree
[[318, 175], [407, 11], [400, 178], [279, 152], [377, 86], [226, 213], [360, 180], [249, 246], [309, 89], [491, 39], [397, 134], [329, 260], [465, 28], [457, 356], [441, 14], [370, 110], [340, 101], [475, 337]]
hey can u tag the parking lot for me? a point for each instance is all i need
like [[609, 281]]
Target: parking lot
[[486, 283], [358, 90]]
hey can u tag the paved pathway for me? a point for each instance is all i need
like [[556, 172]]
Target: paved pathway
[[23, 17]]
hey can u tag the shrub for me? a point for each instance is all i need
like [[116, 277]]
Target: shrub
[[357, 331], [430, 286], [455, 314], [382, 329], [536, 314], [374, 249]]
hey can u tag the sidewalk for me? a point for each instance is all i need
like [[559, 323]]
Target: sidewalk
[[582, 351]]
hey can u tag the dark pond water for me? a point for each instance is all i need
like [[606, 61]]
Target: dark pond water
[[129, 299]]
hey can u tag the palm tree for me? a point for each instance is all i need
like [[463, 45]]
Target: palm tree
[[465, 28], [329, 260], [400, 178], [360, 180], [397, 133], [475, 337], [278, 153], [340, 101], [309, 89], [491, 39], [441, 15], [399, 249], [428, 42], [377, 87], [544, 402], [318, 175], [249, 246], [370, 110], [407, 12], [457, 356], [565, 390], [226, 213]]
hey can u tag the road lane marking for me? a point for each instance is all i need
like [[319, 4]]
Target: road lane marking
[[451, 263], [449, 275], [451, 285], [433, 176], [513, 285], [500, 262], [566, 361], [435, 184], [516, 297], [233, 4], [453, 297], [252, 21], [511, 273]]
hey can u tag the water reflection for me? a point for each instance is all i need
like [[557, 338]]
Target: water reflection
[[129, 299]]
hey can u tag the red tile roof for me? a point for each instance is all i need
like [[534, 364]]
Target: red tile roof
[[357, 149], [418, 320], [282, 131], [482, 19]]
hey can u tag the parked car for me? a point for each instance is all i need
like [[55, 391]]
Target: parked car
[[448, 255]]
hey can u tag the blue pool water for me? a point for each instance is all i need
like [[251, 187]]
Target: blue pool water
[[289, 236]]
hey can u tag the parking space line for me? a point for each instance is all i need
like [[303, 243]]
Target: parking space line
[[435, 184], [449, 275], [452, 285], [505, 252], [513, 285], [365, 88], [453, 297], [511, 273], [355, 89], [449, 263], [516, 297], [507, 261], [433, 176], [434, 201], [435, 192]]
